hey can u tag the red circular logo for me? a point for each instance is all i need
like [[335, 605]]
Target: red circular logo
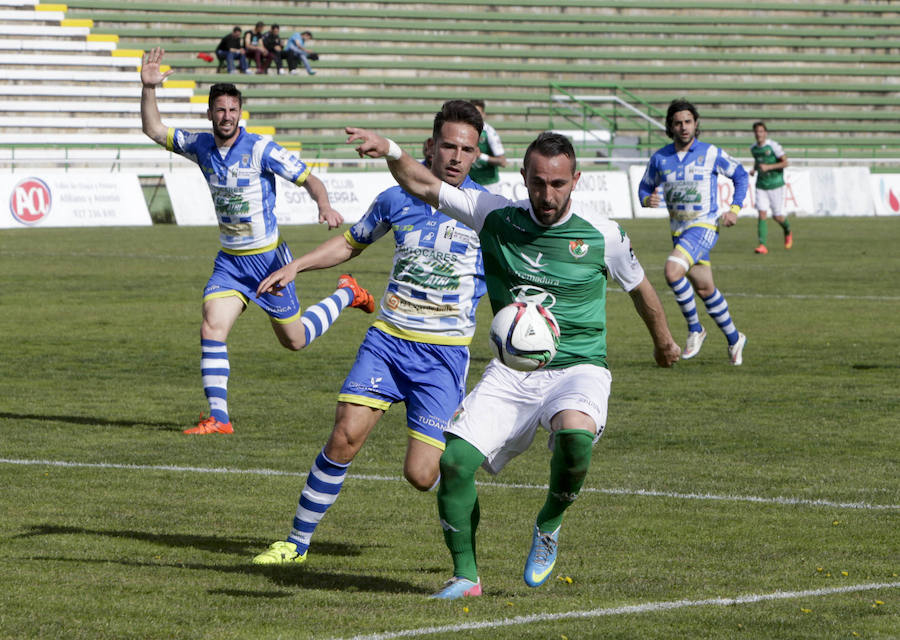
[[30, 201]]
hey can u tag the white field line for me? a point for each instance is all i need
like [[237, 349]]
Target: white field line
[[498, 485], [648, 607]]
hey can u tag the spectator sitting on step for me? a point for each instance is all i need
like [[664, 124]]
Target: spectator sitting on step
[[272, 43], [296, 50], [230, 48], [253, 45]]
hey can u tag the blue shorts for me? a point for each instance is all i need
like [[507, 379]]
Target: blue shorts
[[695, 243], [429, 378], [239, 275]]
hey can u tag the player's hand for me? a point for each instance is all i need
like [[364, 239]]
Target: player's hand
[[331, 216], [652, 201], [667, 355], [729, 219], [151, 76], [277, 281], [370, 143]]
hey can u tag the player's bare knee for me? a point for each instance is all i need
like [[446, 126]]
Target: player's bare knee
[[421, 479], [292, 344]]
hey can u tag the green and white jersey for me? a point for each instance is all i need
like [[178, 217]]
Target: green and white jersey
[[564, 267], [768, 153]]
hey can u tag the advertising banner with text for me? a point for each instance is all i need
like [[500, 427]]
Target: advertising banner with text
[[55, 198], [808, 191], [602, 192], [886, 193]]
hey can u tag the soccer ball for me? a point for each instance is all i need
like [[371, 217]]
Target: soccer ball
[[524, 336]]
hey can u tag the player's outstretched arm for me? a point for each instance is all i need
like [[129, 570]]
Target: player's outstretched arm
[[151, 77], [330, 253], [665, 351], [319, 194], [413, 176]]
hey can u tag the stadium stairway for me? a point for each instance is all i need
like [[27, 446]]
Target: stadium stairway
[[821, 73]]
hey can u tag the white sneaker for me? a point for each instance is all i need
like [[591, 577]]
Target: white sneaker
[[736, 350], [281, 72], [295, 72], [694, 342]]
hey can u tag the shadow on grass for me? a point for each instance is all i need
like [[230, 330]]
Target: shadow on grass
[[243, 547], [298, 576], [162, 426]]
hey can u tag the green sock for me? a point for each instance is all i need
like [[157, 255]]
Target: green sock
[[568, 469], [786, 225], [762, 230], [458, 504]]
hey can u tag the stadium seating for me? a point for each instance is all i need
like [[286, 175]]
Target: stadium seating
[[822, 74]]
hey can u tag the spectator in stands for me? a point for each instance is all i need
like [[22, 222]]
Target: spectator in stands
[[486, 170], [296, 50], [230, 48], [769, 160], [253, 45], [272, 43]]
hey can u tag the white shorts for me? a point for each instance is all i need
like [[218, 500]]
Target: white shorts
[[771, 200], [501, 415]]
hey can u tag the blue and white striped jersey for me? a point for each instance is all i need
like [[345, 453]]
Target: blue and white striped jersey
[[690, 183], [438, 273], [242, 184]]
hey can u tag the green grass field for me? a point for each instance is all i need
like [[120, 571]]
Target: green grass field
[[753, 502]]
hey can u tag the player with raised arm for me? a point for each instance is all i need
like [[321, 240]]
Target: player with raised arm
[[240, 170], [769, 161], [688, 169], [545, 250], [417, 350]]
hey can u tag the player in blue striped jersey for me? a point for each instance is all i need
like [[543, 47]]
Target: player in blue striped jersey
[[240, 170], [416, 351], [688, 169]]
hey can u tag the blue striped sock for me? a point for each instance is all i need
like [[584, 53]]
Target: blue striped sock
[[684, 296], [323, 484], [318, 318], [214, 370], [717, 308]]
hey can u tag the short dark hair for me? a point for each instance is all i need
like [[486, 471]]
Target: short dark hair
[[275, 26], [306, 33], [457, 111], [551, 144], [760, 123], [680, 104], [260, 24], [224, 89], [236, 29]]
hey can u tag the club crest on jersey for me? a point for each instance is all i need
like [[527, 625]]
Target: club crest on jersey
[[578, 248]]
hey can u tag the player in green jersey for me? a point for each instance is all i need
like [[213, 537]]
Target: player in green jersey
[[769, 161], [542, 248]]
